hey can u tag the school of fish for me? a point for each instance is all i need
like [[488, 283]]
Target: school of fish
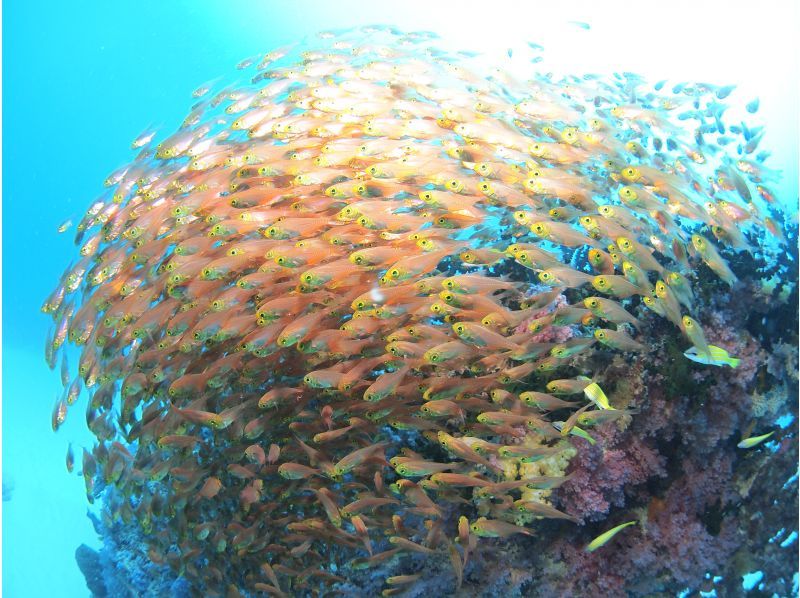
[[346, 312]]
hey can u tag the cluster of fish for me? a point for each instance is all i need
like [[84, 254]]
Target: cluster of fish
[[326, 321]]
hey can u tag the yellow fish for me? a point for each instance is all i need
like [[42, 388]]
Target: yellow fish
[[604, 538], [754, 440], [714, 356]]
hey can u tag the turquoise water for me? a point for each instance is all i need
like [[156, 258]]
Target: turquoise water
[[82, 80]]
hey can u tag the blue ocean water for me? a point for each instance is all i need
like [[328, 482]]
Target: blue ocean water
[[82, 79]]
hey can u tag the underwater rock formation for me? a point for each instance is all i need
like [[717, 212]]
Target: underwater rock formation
[[381, 323], [89, 563], [121, 569], [8, 490]]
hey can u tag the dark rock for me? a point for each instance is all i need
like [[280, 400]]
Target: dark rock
[[89, 563]]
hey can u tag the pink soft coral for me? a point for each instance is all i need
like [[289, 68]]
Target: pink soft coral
[[603, 473]]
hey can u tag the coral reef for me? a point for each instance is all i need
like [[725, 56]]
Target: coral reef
[[374, 323], [121, 568]]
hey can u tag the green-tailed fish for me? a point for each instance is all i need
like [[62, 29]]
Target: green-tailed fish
[[576, 431], [714, 356]]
